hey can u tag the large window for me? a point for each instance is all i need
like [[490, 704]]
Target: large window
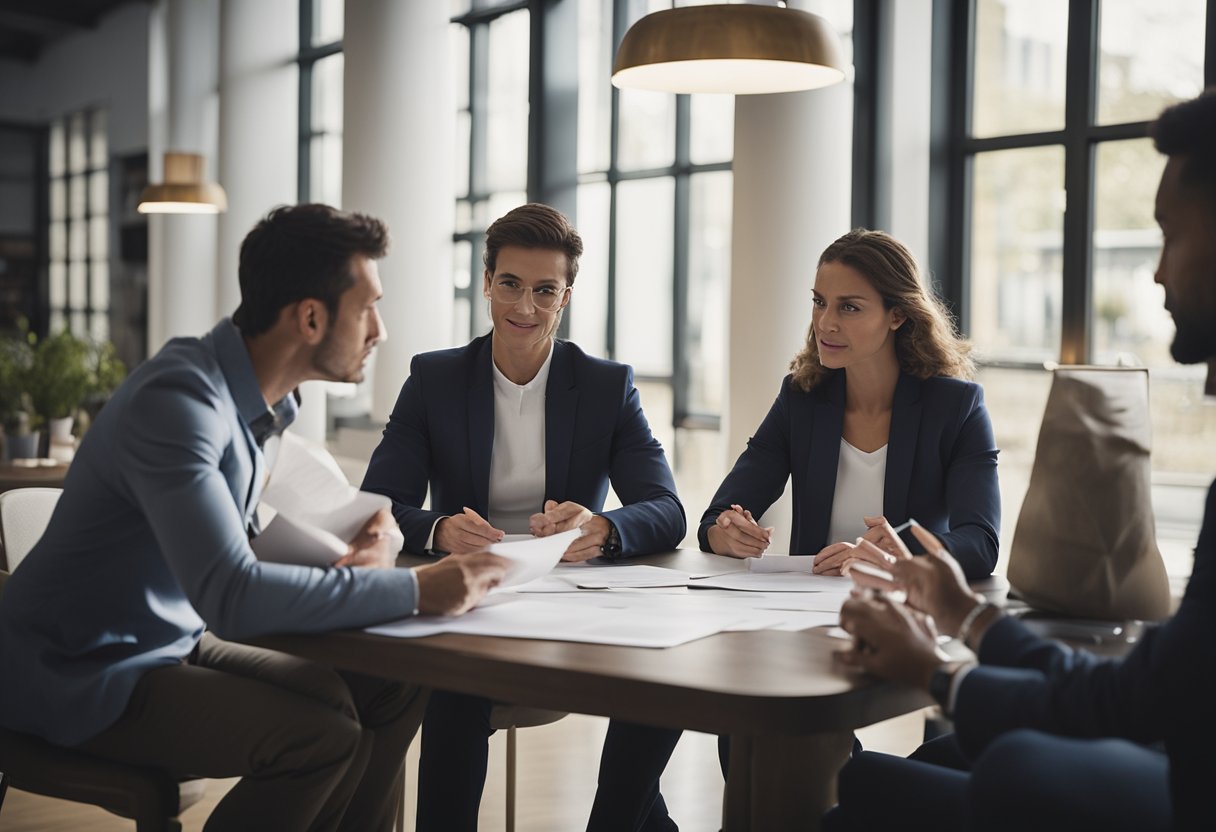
[[78, 233], [1050, 219], [321, 65]]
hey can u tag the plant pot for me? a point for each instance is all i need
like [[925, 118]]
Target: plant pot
[[62, 445], [24, 446]]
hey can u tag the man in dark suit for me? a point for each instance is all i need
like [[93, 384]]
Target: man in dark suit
[[521, 432], [1047, 737]]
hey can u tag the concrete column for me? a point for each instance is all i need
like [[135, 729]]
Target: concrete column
[[183, 116], [397, 163], [792, 194]]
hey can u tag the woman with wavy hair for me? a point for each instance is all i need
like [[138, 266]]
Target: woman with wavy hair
[[877, 423]]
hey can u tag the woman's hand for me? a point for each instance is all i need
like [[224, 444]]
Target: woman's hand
[[737, 534]]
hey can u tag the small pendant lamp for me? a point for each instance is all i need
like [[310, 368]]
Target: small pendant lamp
[[183, 191]]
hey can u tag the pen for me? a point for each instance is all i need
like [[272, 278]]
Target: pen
[[905, 526]]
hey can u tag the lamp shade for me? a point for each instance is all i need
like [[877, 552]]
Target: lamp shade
[[183, 191], [736, 48]]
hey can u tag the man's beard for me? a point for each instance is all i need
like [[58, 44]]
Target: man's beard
[[1195, 339], [329, 364]]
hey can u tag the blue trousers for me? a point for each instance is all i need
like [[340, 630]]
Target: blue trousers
[[1023, 780]]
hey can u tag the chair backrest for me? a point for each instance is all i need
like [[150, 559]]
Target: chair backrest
[[24, 515]]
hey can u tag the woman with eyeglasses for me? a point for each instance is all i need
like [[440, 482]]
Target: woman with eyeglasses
[[519, 432]]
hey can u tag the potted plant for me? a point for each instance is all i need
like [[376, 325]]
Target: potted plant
[[16, 359], [58, 381]]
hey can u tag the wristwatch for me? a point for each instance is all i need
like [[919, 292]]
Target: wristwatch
[[939, 685], [611, 547]]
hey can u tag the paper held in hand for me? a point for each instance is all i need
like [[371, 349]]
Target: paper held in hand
[[530, 556], [309, 509]]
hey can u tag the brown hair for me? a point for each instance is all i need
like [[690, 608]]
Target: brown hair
[[534, 226], [927, 344], [1188, 129], [298, 252]]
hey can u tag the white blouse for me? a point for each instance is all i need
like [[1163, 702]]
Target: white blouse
[[517, 466], [860, 478]]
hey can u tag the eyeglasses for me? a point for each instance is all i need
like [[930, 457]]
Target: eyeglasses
[[547, 298]]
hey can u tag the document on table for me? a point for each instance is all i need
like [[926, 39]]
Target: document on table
[[531, 557], [586, 576], [775, 582], [309, 510], [515, 616], [781, 563]]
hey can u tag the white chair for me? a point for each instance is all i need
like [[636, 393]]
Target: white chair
[[24, 515]]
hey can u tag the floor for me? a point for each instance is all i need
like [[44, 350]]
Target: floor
[[557, 769]]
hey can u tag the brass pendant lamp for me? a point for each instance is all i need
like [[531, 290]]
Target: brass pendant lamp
[[738, 48], [183, 191]]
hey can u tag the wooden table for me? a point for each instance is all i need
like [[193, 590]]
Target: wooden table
[[40, 476], [789, 708]]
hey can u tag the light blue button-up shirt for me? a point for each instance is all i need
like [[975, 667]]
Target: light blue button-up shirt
[[148, 545]]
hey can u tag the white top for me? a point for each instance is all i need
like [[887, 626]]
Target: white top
[[860, 478], [517, 466]]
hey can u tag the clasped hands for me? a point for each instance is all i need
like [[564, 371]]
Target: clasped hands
[[737, 534], [470, 532]]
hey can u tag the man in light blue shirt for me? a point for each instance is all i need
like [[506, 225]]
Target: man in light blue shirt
[[103, 629]]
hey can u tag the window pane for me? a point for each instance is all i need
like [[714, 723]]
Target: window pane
[[644, 215], [327, 94], [501, 203], [647, 130], [1017, 221], [464, 217], [708, 279], [99, 193], [588, 310], [99, 328], [327, 21], [98, 143], [99, 230], [507, 103], [77, 241], [462, 265], [78, 324], [57, 150], [77, 156], [99, 285], [1128, 318], [1151, 56], [58, 241], [76, 202], [78, 286], [325, 159], [58, 322], [711, 129], [658, 405], [58, 273], [59, 199], [1019, 66], [594, 86]]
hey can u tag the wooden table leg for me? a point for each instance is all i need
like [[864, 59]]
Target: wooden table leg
[[778, 783]]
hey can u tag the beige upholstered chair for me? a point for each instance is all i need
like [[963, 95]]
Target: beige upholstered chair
[[152, 798]]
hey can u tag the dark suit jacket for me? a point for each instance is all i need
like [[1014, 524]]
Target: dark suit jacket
[[1163, 691], [441, 433], [941, 466]]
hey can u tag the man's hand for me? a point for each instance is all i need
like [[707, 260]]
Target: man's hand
[[467, 532], [559, 517], [376, 545], [457, 583], [587, 545], [832, 558], [889, 640], [736, 533], [934, 582]]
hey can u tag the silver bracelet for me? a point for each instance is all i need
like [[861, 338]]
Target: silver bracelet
[[970, 618]]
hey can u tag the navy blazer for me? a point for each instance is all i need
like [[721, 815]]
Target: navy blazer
[[941, 466], [441, 433], [1162, 691]]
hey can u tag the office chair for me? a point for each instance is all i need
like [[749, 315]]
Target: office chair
[[508, 718], [150, 797]]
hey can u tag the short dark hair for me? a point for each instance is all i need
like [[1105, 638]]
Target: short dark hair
[[1188, 130], [534, 226], [298, 252]]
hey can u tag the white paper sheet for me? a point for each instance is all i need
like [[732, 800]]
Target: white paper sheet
[[310, 511], [532, 557], [775, 582], [781, 563], [521, 617]]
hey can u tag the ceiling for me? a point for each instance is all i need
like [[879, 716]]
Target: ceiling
[[27, 27]]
